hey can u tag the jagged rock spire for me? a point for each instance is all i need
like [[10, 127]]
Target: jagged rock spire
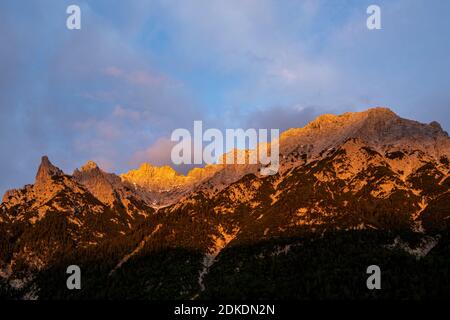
[[47, 170]]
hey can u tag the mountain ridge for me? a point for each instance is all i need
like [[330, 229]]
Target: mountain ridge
[[369, 174], [335, 129]]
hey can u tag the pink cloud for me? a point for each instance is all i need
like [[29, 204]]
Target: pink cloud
[[124, 113], [113, 71], [140, 77], [156, 154], [145, 79]]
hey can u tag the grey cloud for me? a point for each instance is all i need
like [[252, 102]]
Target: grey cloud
[[282, 118], [51, 84]]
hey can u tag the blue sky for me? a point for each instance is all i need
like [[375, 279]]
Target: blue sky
[[114, 91]]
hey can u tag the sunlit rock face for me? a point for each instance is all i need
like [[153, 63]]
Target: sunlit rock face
[[46, 171], [96, 182], [156, 178], [378, 128]]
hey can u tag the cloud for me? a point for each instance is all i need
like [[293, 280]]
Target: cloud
[[282, 118], [113, 71], [78, 95], [252, 38], [121, 112], [140, 77], [157, 154]]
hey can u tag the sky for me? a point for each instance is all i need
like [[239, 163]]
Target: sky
[[114, 91]]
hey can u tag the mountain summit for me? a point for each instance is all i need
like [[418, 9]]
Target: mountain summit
[[379, 128], [46, 171], [155, 178]]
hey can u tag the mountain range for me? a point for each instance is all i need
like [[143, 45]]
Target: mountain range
[[353, 190]]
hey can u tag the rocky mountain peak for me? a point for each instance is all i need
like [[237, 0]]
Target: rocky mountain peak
[[326, 121], [101, 184], [90, 165], [148, 168], [380, 128], [437, 127], [47, 170], [381, 112], [154, 178], [87, 171]]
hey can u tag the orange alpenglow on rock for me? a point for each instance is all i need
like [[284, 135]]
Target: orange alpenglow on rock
[[47, 170], [155, 178]]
